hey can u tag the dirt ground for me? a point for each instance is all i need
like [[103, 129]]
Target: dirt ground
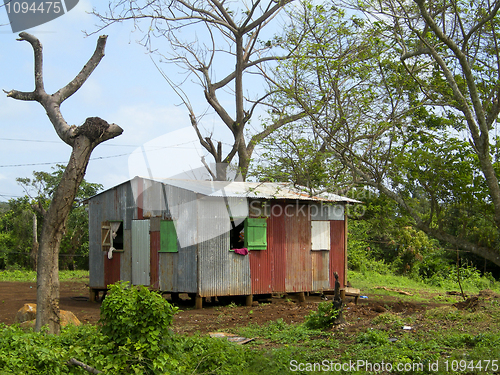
[[214, 316]]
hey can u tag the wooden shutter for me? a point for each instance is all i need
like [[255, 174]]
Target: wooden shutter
[[168, 237], [256, 233], [105, 236]]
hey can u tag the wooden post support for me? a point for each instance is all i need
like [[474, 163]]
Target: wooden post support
[[198, 302], [249, 300], [94, 293], [301, 297]]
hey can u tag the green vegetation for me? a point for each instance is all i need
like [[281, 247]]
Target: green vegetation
[[18, 215], [135, 336], [18, 275]]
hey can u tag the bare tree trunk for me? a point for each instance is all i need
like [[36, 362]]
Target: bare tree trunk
[[34, 248], [83, 139], [48, 267]]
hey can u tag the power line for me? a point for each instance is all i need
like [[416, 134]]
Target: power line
[[43, 141], [96, 158]]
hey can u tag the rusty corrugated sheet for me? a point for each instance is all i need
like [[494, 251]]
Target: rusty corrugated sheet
[[126, 256], [154, 239], [337, 252], [320, 270], [179, 271], [114, 204], [267, 190], [298, 258], [327, 210], [221, 272], [112, 269], [140, 252]]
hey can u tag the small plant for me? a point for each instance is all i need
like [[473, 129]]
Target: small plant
[[324, 317]]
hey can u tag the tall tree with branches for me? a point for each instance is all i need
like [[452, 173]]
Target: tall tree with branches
[[220, 46], [82, 139], [413, 108]]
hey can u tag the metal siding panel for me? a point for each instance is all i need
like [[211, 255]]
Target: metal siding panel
[[187, 270], [140, 252], [337, 252], [320, 235], [154, 260], [109, 205], [153, 202], [168, 272], [96, 257], [320, 270], [327, 211], [126, 257], [182, 208], [221, 272], [298, 259], [111, 269], [268, 267]]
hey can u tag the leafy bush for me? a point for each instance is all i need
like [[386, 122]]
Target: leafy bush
[[322, 318], [136, 323]]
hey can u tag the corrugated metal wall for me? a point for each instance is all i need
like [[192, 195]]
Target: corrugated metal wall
[[337, 252], [114, 204], [140, 252], [178, 272], [288, 264], [298, 256], [320, 270], [221, 271]]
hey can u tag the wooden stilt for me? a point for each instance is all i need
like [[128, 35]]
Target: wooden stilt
[[198, 304], [249, 300], [301, 297]]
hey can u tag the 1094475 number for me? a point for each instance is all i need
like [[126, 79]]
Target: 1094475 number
[[17, 7], [473, 366]]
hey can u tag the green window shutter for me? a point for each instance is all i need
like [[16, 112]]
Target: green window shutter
[[256, 233], [168, 237]]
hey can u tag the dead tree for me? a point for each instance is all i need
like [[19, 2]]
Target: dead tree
[[221, 43], [82, 139]]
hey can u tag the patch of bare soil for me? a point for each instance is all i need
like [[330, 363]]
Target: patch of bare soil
[[215, 316]]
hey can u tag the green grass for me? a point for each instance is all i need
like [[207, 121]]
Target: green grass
[[370, 282], [30, 276]]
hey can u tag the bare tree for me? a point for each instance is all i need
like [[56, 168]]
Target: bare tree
[[82, 139], [221, 45]]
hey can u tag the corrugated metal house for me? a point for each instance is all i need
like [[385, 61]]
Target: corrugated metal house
[[180, 236]]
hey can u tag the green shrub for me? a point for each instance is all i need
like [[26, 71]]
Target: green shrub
[[322, 318], [136, 323]]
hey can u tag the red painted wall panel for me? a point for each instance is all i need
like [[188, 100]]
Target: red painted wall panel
[[111, 268], [298, 249], [337, 252], [154, 241]]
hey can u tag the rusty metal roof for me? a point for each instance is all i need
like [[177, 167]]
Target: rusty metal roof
[[267, 190]]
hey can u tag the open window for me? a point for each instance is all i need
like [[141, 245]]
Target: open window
[[237, 234], [168, 237], [111, 237]]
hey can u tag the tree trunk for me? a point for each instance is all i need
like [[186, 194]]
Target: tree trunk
[[34, 248], [47, 312]]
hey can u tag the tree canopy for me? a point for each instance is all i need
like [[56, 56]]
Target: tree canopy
[[404, 95]]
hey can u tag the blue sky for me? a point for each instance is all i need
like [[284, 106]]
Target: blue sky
[[126, 89]]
